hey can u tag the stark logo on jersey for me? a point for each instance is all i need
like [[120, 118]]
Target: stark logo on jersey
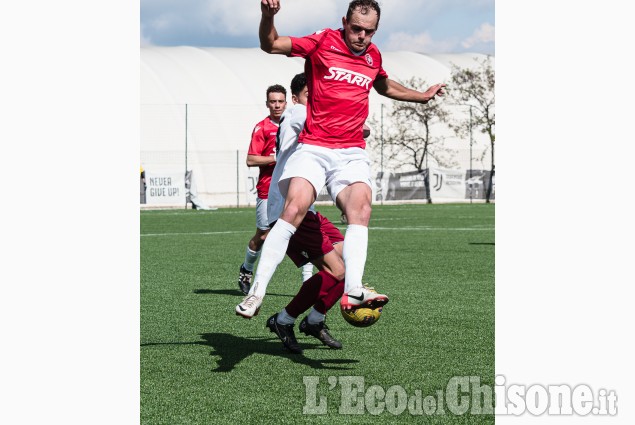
[[352, 77]]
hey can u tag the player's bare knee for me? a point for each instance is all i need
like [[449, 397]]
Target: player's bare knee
[[293, 214], [339, 272], [360, 215], [255, 243], [337, 266], [365, 213]]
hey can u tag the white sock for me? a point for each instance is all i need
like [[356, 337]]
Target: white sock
[[307, 272], [250, 259], [315, 317], [284, 318], [354, 254], [271, 254]]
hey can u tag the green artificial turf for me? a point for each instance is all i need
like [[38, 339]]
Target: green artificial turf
[[200, 363]]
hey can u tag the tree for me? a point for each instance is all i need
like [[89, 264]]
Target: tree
[[474, 88], [411, 139]]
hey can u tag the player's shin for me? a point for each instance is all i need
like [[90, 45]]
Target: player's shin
[[354, 254], [250, 259], [272, 254]]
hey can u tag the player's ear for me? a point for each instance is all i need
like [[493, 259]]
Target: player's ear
[[294, 98], [343, 21]]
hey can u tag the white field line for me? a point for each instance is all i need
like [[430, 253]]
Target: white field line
[[206, 212], [410, 218], [427, 228], [415, 228], [197, 234]]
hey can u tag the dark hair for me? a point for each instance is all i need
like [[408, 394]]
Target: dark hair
[[298, 83], [365, 6], [276, 88]]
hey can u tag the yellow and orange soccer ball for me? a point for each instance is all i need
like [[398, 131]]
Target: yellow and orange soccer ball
[[362, 317]]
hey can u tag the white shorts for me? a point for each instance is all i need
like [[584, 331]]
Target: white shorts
[[261, 214], [335, 168]]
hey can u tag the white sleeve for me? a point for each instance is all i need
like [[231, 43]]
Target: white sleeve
[[298, 117]]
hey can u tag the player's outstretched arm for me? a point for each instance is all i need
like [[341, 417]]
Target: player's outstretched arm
[[270, 41], [394, 90]]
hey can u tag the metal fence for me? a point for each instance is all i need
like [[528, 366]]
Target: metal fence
[[212, 143]]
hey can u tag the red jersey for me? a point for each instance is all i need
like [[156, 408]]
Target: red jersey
[[339, 83], [263, 143]]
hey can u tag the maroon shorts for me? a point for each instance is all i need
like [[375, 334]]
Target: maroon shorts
[[314, 238]]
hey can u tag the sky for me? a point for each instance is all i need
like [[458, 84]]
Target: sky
[[427, 26]]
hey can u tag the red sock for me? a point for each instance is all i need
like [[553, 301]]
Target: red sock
[[327, 299], [311, 292]]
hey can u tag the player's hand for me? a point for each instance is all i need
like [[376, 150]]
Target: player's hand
[[435, 90], [269, 7]]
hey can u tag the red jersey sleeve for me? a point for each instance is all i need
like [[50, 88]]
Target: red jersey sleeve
[[257, 145], [263, 143], [305, 46]]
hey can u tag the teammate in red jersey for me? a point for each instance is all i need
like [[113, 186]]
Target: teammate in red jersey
[[261, 154], [341, 67]]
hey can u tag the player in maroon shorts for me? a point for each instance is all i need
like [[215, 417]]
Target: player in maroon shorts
[[317, 240], [341, 67]]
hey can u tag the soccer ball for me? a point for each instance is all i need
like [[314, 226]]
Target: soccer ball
[[362, 317]]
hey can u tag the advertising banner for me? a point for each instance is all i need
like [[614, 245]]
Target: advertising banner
[[447, 184], [165, 187], [443, 184]]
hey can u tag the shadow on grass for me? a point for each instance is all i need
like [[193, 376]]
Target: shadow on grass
[[233, 349], [482, 243], [233, 292]]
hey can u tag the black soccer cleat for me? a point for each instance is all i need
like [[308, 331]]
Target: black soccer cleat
[[285, 333], [321, 332], [244, 280]]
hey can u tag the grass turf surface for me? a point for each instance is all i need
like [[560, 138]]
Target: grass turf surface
[[200, 363]]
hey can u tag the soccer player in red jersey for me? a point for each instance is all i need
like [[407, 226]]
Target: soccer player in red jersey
[[341, 67], [261, 154], [317, 240]]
